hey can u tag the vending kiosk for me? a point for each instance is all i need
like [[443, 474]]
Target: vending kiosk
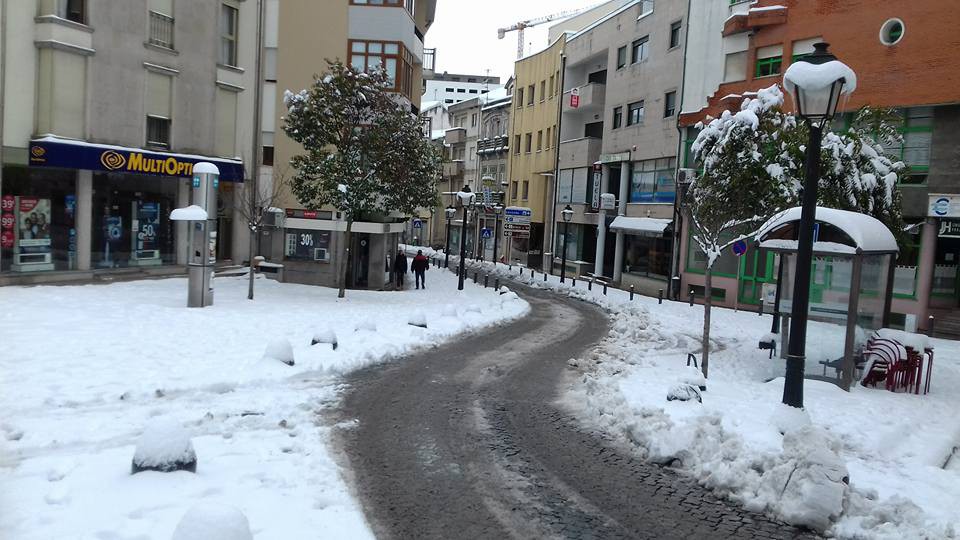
[[202, 237]]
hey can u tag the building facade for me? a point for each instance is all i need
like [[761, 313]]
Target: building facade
[[900, 53], [299, 35], [451, 88], [106, 108], [622, 77]]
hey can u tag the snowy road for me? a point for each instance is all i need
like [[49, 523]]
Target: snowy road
[[466, 441]]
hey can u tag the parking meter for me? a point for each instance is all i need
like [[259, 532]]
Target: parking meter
[[202, 242]]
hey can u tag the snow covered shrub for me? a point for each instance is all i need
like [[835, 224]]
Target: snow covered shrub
[[213, 522], [164, 446]]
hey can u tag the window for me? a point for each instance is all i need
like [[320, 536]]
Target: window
[[389, 55], [306, 245], [653, 181], [529, 141], [621, 57], [548, 139], [161, 30], [409, 5], [526, 189], [543, 90], [914, 151], [519, 97], [635, 113], [268, 155], [675, 34], [448, 101], [450, 90], [473, 120], [540, 140], [516, 144], [228, 35], [639, 50], [473, 90], [74, 10], [530, 91], [514, 188], [473, 152], [735, 67], [553, 85], [158, 132], [891, 32], [617, 117], [669, 104], [461, 90], [768, 66], [803, 48]]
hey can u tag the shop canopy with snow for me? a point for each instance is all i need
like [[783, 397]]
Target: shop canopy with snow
[[851, 283]]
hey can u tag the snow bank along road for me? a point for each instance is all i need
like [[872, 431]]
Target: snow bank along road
[[465, 441]]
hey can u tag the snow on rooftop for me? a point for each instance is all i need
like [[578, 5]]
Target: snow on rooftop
[[867, 233], [818, 76]]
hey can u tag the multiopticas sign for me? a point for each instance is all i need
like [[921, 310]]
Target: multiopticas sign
[[79, 155]]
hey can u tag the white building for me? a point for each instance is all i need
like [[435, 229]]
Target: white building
[[450, 88]]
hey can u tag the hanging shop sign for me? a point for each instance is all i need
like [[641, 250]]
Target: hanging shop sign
[[64, 154], [944, 206], [575, 98]]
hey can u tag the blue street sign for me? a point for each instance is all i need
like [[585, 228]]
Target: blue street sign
[[486, 233], [816, 232], [417, 224], [739, 247]]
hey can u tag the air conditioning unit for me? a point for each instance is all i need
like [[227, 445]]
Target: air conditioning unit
[[320, 254], [686, 176]]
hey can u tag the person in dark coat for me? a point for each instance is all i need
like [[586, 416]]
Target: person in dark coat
[[419, 266], [400, 268]]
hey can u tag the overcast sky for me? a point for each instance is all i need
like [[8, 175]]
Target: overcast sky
[[465, 33]]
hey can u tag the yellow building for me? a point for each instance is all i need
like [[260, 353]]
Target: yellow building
[[533, 143], [299, 36]]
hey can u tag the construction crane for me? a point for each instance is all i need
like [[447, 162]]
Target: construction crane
[[523, 25]]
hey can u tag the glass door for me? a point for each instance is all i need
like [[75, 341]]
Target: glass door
[[756, 268]]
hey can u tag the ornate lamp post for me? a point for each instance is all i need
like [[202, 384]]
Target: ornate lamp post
[[465, 200], [450, 211], [497, 211], [816, 83], [567, 214]]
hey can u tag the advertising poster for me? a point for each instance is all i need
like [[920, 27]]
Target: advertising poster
[[33, 225], [146, 226], [7, 221]]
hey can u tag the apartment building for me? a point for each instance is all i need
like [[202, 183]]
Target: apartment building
[[901, 53], [532, 162], [622, 76], [299, 36], [451, 88], [106, 108]]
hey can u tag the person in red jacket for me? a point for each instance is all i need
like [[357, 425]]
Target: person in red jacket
[[419, 266]]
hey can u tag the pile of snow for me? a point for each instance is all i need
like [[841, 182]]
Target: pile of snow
[[418, 318], [213, 522], [164, 446], [325, 335], [280, 350], [684, 392], [367, 325], [449, 310]]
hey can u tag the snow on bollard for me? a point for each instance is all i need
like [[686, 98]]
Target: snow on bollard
[[693, 376], [281, 350], [209, 521], [684, 392], [449, 310], [418, 318], [365, 324], [325, 335], [164, 446]]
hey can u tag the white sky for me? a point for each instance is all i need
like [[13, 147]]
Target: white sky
[[465, 33]]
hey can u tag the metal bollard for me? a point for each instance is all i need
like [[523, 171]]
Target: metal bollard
[[760, 311], [544, 277], [631, 293], [692, 295], [474, 277], [930, 321], [486, 281], [532, 273], [660, 296], [574, 282], [589, 284], [604, 289], [496, 284]]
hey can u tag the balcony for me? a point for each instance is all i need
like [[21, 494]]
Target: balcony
[[455, 136], [429, 60], [492, 146], [453, 169], [581, 152], [592, 98]]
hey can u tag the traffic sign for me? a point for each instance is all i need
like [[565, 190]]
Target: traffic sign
[[486, 233], [417, 224], [739, 247]]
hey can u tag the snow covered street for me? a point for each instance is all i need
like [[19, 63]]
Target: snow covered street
[[86, 368]]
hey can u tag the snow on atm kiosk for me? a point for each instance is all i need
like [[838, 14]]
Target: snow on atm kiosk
[[202, 238]]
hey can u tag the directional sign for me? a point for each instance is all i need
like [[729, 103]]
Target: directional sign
[[486, 233], [417, 224]]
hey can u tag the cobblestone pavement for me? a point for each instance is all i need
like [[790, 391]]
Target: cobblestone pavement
[[465, 441]]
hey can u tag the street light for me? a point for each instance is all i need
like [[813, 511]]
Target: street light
[[465, 200], [567, 214], [450, 211], [497, 211], [816, 82]]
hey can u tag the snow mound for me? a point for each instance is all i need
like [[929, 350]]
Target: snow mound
[[280, 350], [449, 310], [418, 318], [684, 392], [213, 522], [788, 419], [164, 446], [473, 308], [325, 335], [693, 376], [365, 324], [509, 296]]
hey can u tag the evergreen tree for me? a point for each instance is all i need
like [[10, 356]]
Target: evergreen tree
[[365, 155]]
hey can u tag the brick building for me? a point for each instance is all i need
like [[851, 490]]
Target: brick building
[[901, 52]]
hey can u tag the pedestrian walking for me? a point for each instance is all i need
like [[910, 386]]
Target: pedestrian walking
[[400, 268], [419, 266]]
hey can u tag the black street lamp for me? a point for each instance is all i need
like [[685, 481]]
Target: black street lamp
[[567, 214], [450, 211], [816, 81], [464, 200], [497, 211]]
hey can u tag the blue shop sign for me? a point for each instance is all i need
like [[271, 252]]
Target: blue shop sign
[[66, 154]]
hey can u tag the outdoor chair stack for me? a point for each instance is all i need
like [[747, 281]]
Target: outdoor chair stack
[[899, 366]]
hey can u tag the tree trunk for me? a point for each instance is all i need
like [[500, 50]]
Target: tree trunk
[[253, 249], [707, 304], [345, 260]]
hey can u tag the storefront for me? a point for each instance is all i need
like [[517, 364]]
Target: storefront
[[77, 206], [945, 292]]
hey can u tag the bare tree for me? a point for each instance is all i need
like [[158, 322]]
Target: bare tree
[[255, 202]]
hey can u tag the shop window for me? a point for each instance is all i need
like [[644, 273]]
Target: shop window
[[635, 113], [675, 34], [158, 132], [622, 57], [640, 49], [306, 245], [647, 256], [669, 104], [37, 220], [653, 181], [228, 35]]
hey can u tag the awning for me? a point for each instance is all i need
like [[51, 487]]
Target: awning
[[72, 154], [641, 225]]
